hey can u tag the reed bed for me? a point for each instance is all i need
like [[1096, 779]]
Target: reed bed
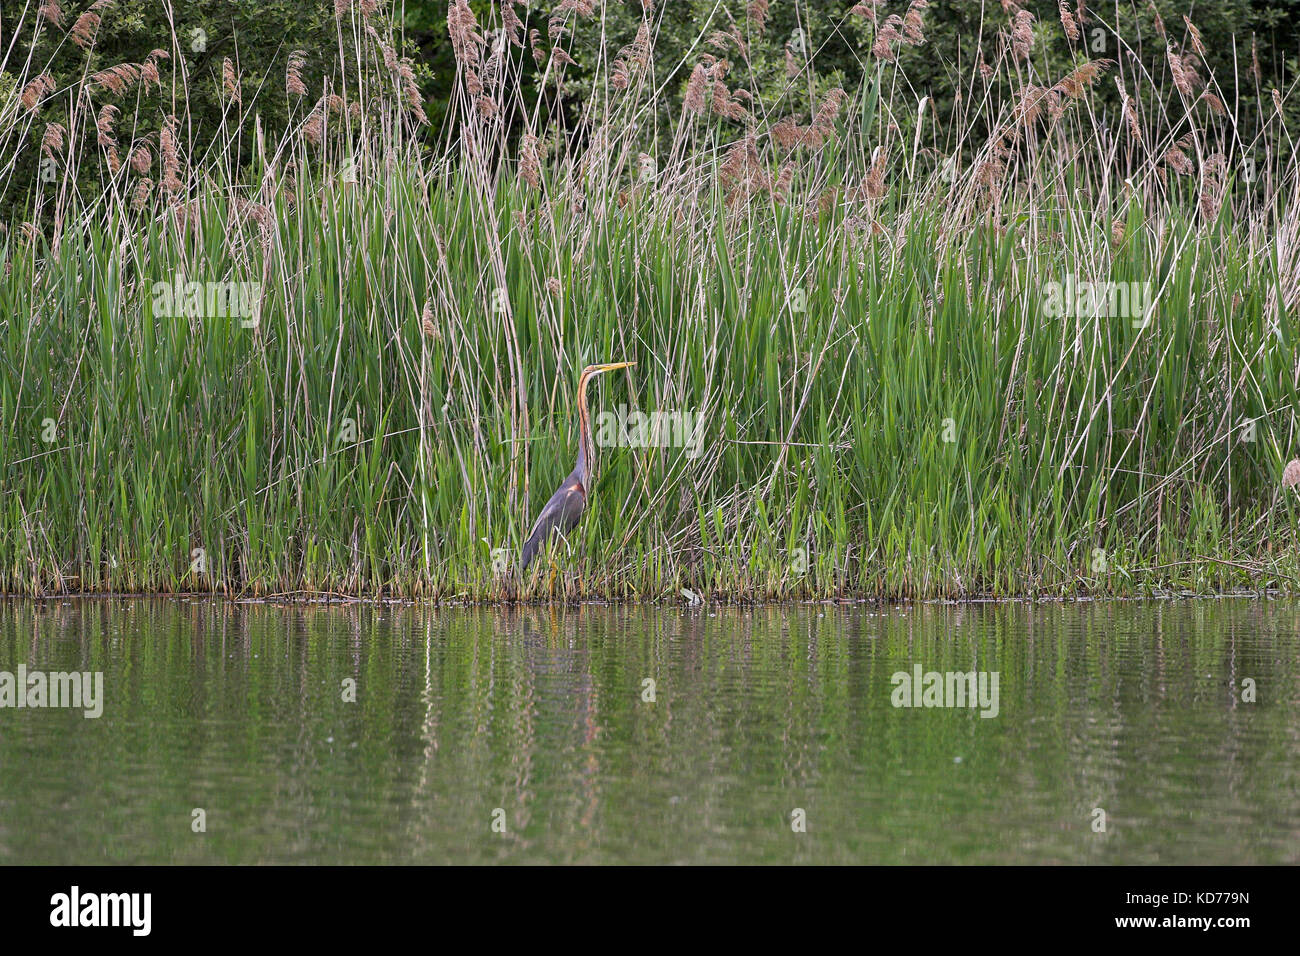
[[861, 311]]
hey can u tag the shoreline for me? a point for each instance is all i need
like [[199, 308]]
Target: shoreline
[[317, 599]]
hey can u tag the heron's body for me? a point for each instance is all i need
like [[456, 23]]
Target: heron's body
[[564, 509]]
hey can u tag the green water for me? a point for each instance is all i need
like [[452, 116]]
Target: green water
[[535, 719]]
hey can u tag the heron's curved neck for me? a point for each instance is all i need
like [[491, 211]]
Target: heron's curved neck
[[586, 452]]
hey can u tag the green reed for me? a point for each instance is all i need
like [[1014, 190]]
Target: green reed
[[888, 403], [876, 419]]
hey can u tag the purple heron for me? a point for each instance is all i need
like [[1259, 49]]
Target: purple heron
[[570, 499]]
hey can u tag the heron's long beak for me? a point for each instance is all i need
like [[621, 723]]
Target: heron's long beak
[[611, 366]]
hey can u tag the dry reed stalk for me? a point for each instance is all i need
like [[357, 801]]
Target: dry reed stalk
[[1195, 34], [866, 9], [742, 171], [171, 182], [695, 101], [140, 194], [1291, 474], [887, 38], [35, 91], [1214, 186], [632, 58], [229, 80], [427, 324], [583, 8], [52, 139], [84, 29], [1131, 118], [141, 159], [913, 33], [313, 127], [466, 41], [1183, 68], [1075, 83], [511, 23], [726, 102], [784, 179], [108, 115], [788, 134], [411, 91], [1177, 160], [117, 79], [1068, 22], [873, 185], [530, 161], [293, 84], [1214, 103], [51, 12], [149, 75], [1022, 34]]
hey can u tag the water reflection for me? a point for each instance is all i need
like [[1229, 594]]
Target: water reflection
[[538, 718]]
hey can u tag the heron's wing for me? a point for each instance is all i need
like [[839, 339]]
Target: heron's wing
[[560, 514]]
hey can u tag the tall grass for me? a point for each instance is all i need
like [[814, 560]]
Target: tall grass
[[891, 406]]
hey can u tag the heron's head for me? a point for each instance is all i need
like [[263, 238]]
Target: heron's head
[[592, 370], [607, 367]]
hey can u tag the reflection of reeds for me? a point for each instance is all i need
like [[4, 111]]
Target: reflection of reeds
[[831, 293]]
